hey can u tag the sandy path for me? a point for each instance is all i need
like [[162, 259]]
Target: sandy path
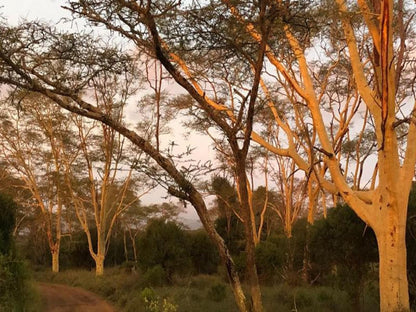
[[61, 298]]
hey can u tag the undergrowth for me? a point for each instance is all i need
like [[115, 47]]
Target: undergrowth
[[131, 292]]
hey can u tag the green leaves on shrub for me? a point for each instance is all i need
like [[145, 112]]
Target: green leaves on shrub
[[217, 292]]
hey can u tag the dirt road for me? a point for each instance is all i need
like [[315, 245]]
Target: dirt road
[[61, 298]]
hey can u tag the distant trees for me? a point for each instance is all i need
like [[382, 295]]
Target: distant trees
[[34, 144]]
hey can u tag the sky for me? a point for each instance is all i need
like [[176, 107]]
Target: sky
[[49, 10]]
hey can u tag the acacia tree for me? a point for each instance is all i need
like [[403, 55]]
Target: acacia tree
[[29, 60], [109, 183], [225, 33], [375, 85], [34, 142]]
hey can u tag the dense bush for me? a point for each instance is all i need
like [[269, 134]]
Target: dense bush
[[7, 222], [343, 249], [164, 243], [15, 291], [280, 258], [203, 253]]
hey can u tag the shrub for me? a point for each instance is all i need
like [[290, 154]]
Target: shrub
[[204, 255], [217, 292], [154, 304], [16, 294], [155, 276], [7, 222], [165, 244]]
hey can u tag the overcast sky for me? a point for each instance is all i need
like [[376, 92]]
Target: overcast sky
[[31, 9]]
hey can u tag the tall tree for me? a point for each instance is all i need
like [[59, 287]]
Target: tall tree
[[34, 141], [226, 33], [66, 86], [103, 183]]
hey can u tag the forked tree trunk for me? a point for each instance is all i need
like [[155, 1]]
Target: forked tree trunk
[[394, 295]]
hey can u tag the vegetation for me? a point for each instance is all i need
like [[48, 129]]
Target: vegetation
[[315, 97], [202, 293], [16, 291]]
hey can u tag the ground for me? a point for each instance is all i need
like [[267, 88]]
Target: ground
[[61, 298]]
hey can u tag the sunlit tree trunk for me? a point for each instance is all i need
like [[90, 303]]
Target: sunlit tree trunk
[[394, 294], [55, 260]]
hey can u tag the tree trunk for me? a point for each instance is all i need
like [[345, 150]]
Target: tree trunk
[[248, 217], [306, 255], [99, 265], [394, 295], [55, 261], [196, 199]]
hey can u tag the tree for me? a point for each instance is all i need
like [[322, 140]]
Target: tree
[[203, 254], [106, 191], [14, 286], [34, 145], [223, 33], [383, 206], [172, 252]]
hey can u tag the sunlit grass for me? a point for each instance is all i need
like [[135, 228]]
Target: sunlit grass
[[208, 293]]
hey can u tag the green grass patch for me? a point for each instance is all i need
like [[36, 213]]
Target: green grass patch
[[132, 292]]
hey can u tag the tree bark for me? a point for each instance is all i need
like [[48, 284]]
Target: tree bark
[[394, 295], [55, 261], [99, 265], [248, 217], [196, 199]]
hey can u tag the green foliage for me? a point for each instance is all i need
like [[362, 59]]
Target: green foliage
[[232, 231], [155, 276], [164, 243], [16, 292], [280, 258], [154, 304], [7, 221], [203, 253], [343, 249], [217, 292], [270, 257]]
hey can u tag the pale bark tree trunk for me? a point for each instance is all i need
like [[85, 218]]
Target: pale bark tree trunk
[[99, 264], [55, 260], [390, 232]]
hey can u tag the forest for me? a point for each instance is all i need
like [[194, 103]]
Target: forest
[[307, 107]]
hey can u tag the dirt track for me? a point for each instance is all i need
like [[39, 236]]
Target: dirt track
[[61, 298]]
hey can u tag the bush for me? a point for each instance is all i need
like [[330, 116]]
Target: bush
[[16, 294], [7, 222], [155, 276], [344, 242], [154, 304], [165, 244], [204, 255], [217, 292]]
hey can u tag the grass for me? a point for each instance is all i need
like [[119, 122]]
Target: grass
[[128, 291]]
